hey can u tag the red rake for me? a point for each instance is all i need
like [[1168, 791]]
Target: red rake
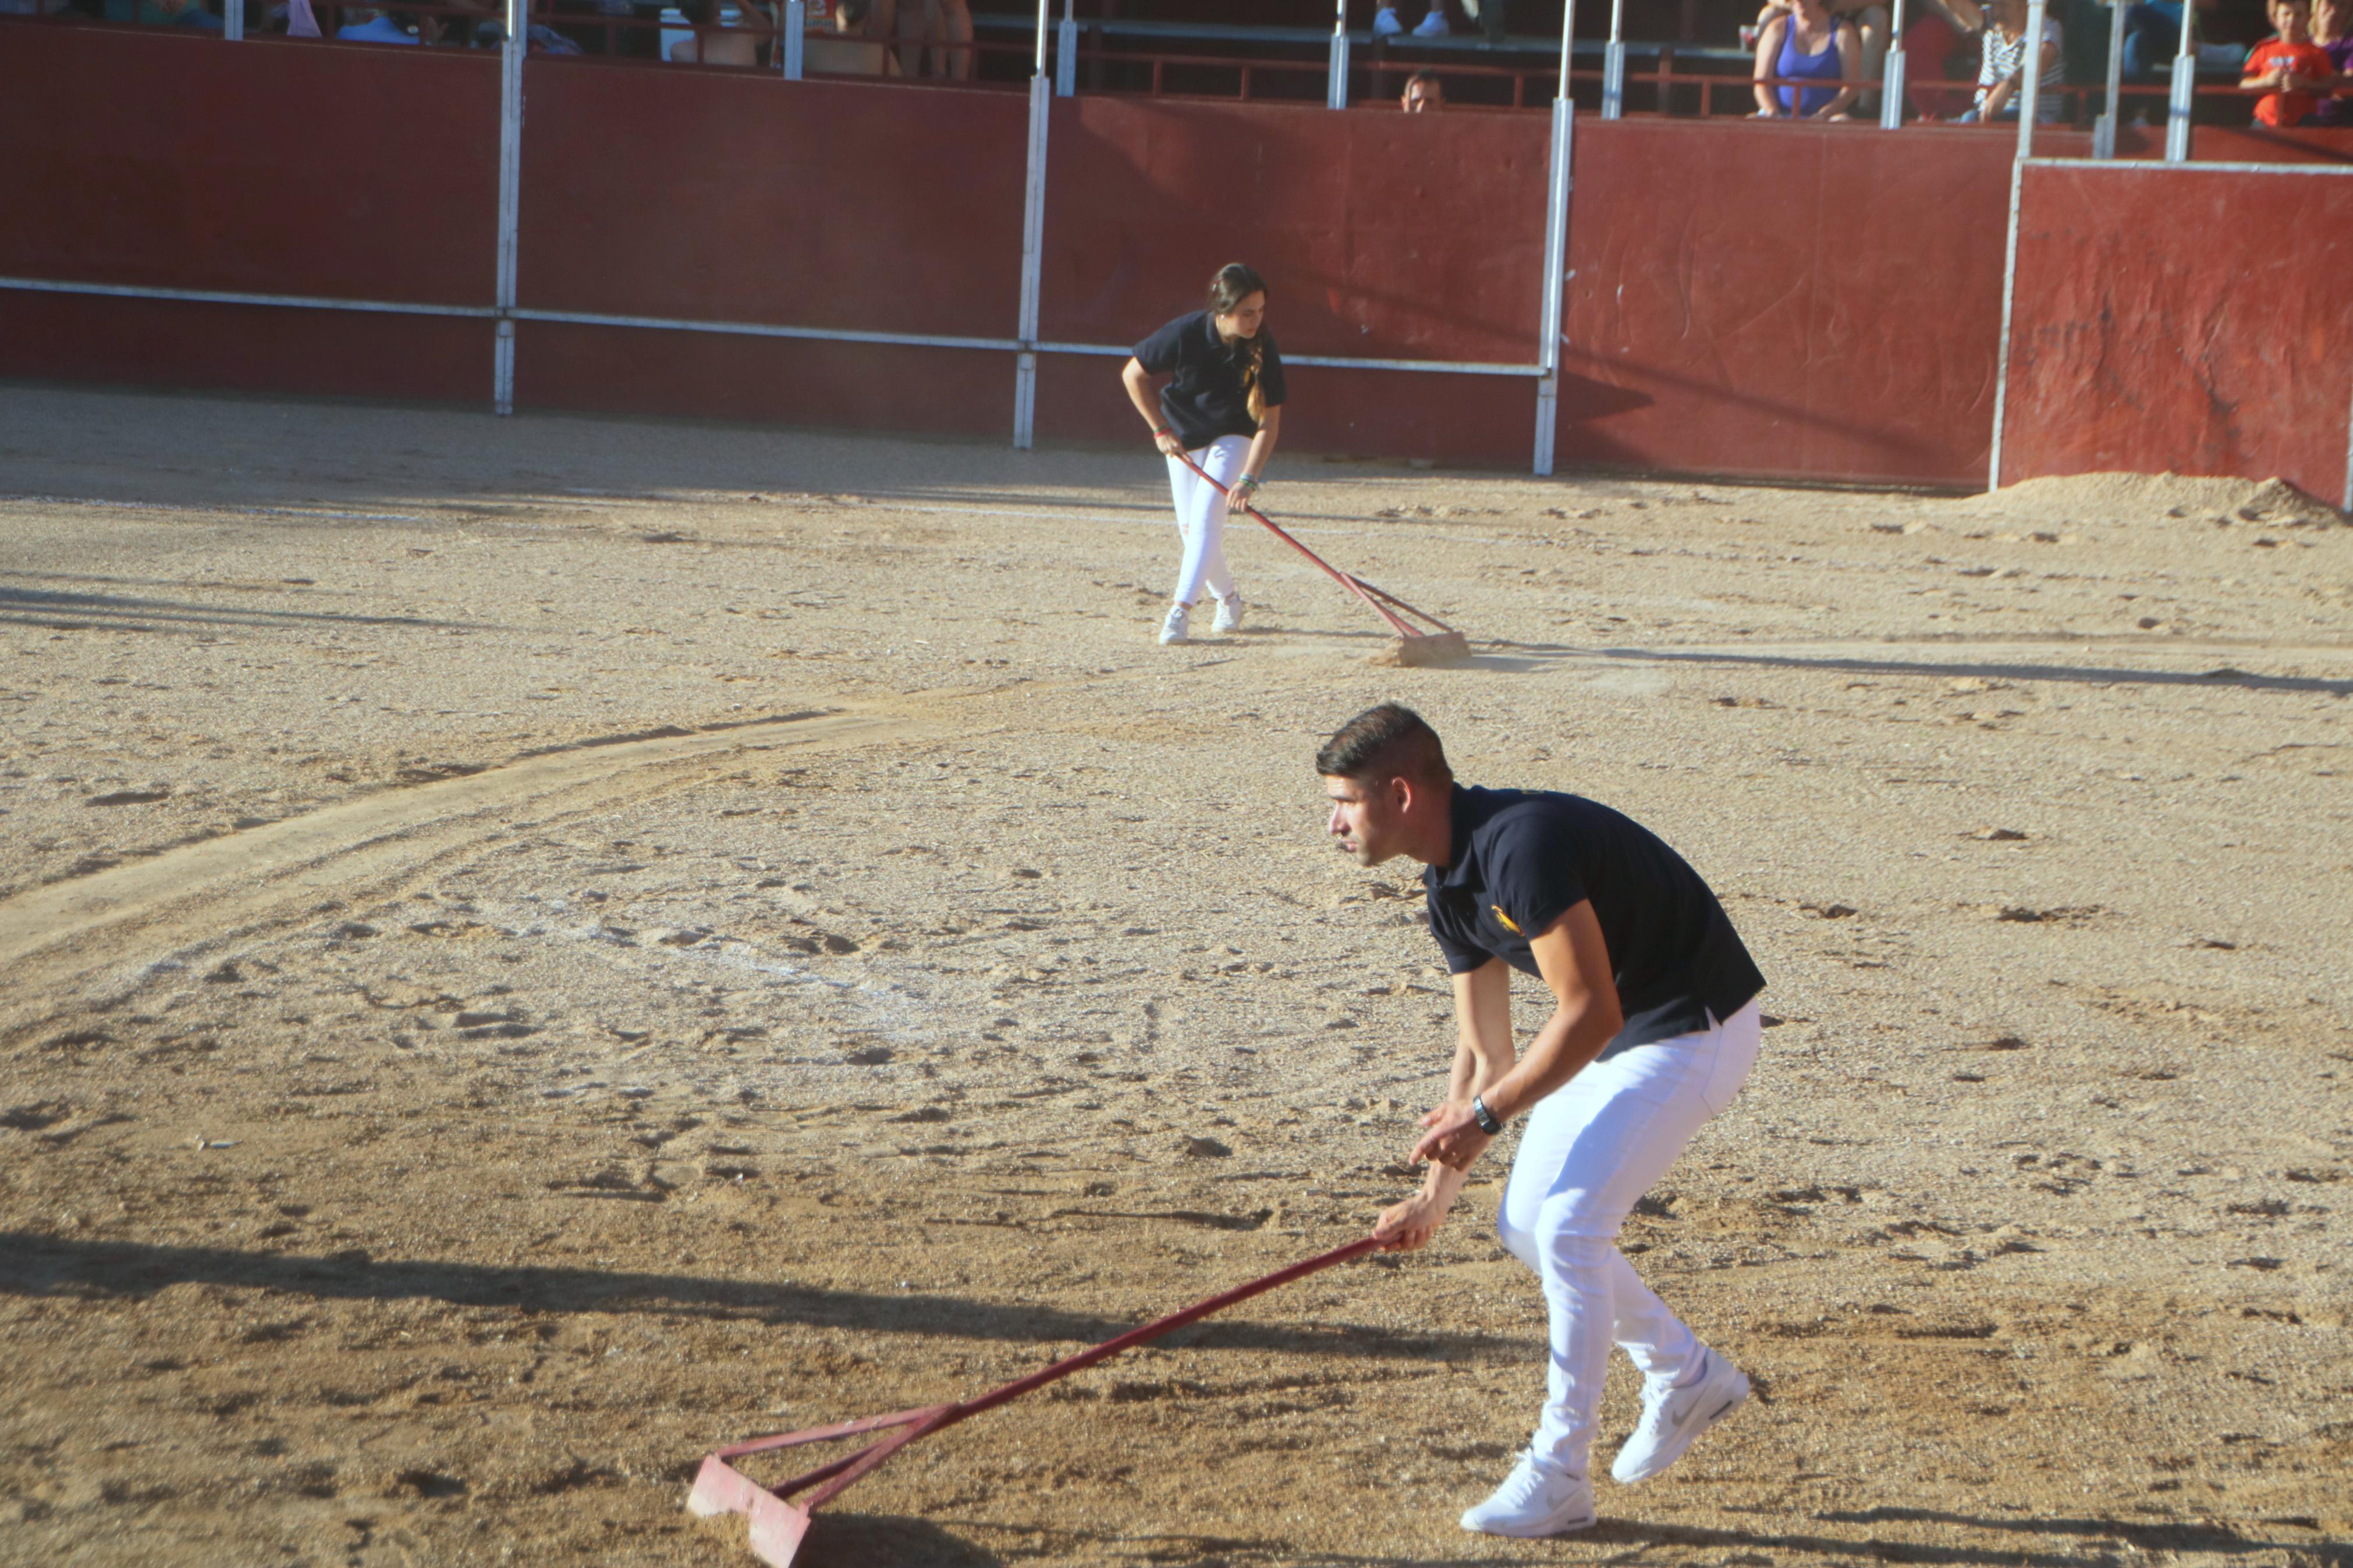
[[777, 1525], [1414, 647]]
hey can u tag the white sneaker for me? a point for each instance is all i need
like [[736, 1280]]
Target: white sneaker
[[1674, 1418], [1175, 629], [1385, 23], [1432, 26], [1229, 614], [1536, 1499]]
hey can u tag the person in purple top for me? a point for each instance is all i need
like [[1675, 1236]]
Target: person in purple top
[[1808, 44], [2332, 29]]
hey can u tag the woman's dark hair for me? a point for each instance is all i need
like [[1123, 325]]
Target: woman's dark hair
[[700, 13], [1233, 284], [1384, 742]]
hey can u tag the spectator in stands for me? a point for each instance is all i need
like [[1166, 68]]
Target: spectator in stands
[[943, 28], [1807, 43], [363, 25], [2153, 36], [2290, 65], [2002, 73], [716, 44], [1432, 25], [1870, 19], [2332, 29], [1423, 93], [1939, 46], [848, 52]]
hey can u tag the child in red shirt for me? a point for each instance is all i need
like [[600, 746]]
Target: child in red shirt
[[2290, 65]]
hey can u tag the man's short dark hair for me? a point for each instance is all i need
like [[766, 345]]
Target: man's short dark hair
[[1388, 742]]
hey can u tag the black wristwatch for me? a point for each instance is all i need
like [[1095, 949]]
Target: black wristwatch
[[1489, 1122]]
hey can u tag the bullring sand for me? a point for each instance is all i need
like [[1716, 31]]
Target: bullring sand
[[536, 948]]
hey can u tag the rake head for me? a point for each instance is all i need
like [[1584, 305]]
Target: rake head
[[777, 1525], [1424, 649]]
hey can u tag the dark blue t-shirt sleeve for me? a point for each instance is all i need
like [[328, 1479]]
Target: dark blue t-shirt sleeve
[[1159, 353], [1461, 958], [1532, 870], [1270, 373]]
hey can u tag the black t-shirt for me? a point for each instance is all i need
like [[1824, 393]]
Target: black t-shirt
[[1207, 399], [1522, 858]]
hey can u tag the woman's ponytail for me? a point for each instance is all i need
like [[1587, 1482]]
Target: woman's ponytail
[[1233, 284]]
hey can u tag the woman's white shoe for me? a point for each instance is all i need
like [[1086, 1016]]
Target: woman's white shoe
[[1175, 629], [1672, 1418], [1229, 614], [1536, 1499]]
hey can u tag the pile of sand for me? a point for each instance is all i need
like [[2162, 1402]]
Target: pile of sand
[[2138, 497]]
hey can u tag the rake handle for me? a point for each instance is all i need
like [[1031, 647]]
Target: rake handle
[[832, 1480], [1346, 579], [1158, 1327]]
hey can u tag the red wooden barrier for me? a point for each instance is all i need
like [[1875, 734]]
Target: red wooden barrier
[[1816, 302], [1396, 237], [1381, 236], [697, 197], [154, 156], [814, 204], [157, 157], [243, 348], [2242, 143], [2182, 317]]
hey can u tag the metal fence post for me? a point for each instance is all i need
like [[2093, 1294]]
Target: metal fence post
[[1336, 90], [1613, 64], [2104, 130], [2184, 96], [1891, 73], [794, 43], [1066, 55], [1555, 252], [1033, 239], [2030, 92], [512, 50], [233, 20], [2001, 360], [2348, 502]]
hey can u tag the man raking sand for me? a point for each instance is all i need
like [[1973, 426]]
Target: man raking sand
[[1654, 1029]]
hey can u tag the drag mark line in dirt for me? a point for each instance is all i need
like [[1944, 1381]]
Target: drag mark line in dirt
[[1847, 659], [224, 509], [202, 892]]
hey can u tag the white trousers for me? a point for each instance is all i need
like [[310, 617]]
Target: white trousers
[[1587, 1152], [1201, 518]]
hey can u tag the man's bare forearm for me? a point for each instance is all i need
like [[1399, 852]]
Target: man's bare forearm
[[1564, 1047]]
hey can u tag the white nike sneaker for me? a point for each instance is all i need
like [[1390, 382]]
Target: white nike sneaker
[[1229, 614], [1432, 26], [1175, 629], [1674, 1418], [1385, 24], [1536, 1499]]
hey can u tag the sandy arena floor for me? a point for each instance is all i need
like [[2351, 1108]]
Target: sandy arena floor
[[534, 948]]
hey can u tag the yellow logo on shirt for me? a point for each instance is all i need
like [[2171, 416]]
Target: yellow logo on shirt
[[1509, 925]]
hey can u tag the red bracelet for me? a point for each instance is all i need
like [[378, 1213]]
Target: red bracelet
[[1164, 430]]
